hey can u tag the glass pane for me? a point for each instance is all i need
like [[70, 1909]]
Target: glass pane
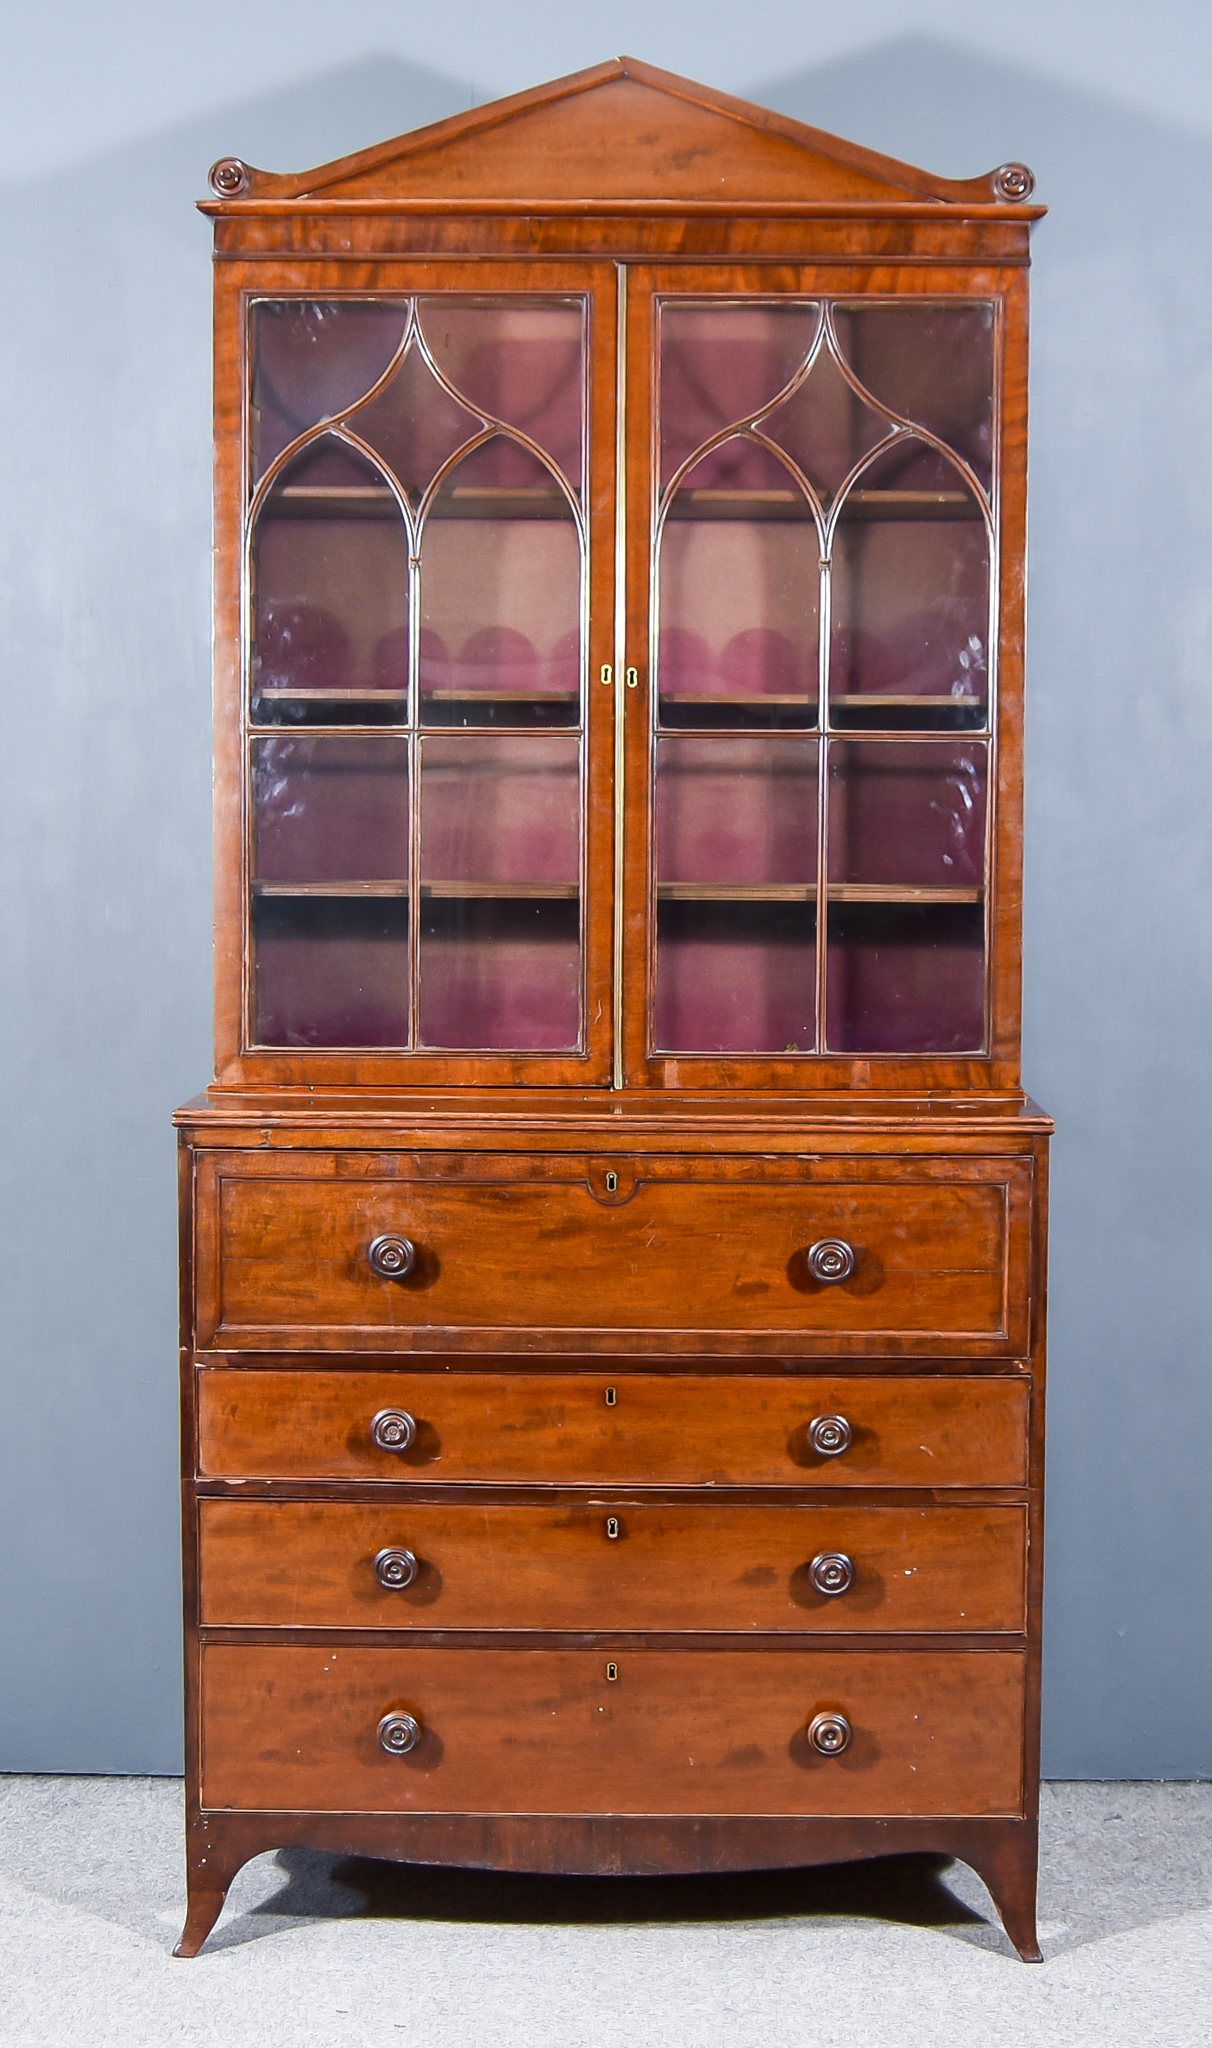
[[736, 824], [735, 978], [825, 426], [500, 595], [906, 964], [330, 591], [500, 865], [910, 602], [931, 364], [735, 812], [720, 364], [414, 425], [312, 361], [906, 977], [522, 364], [329, 811], [501, 810], [738, 596], [330, 971], [912, 813]]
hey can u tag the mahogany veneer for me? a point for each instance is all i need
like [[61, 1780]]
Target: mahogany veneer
[[613, 1243]]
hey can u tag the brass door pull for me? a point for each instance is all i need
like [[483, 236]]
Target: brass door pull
[[831, 1260], [830, 1734], [392, 1258], [398, 1733], [393, 1429], [831, 1572], [395, 1569], [829, 1435]]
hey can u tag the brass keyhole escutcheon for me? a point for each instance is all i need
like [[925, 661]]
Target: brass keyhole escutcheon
[[612, 1528], [612, 1183], [607, 674], [612, 1395], [612, 1672]]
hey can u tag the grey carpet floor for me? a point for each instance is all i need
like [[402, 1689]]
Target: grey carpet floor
[[324, 1950]]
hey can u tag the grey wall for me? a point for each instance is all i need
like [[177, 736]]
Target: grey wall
[[104, 799]]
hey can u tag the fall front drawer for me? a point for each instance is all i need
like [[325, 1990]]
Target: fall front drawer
[[611, 1565], [630, 1429], [315, 1249], [649, 1731]]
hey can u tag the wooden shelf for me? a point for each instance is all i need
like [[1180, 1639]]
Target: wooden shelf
[[500, 696], [876, 700], [756, 699], [370, 695], [867, 700], [376, 501], [742, 892], [791, 504], [805, 892], [537, 892], [395, 889], [900, 892]]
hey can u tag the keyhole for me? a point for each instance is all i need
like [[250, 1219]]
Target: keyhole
[[612, 1528], [612, 1395], [612, 1672], [612, 1183]]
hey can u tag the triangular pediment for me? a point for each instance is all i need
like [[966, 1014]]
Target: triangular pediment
[[622, 131]]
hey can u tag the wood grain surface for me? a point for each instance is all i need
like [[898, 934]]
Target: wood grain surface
[[612, 1564], [546, 1731], [661, 1429], [709, 1244]]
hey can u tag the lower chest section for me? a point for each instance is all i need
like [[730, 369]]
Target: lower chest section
[[523, 1486]]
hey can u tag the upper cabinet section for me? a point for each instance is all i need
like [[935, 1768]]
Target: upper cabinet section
[[620, 519]]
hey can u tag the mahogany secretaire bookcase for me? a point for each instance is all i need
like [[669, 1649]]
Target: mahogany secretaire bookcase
[[613, 1283]]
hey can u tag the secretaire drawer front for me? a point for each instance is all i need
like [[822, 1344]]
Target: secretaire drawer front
[[612, 1564], [580, 1731], [311, 1250], [585, 1429]]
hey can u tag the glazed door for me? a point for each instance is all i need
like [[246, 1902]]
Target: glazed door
[[427, 589], [809, 776]]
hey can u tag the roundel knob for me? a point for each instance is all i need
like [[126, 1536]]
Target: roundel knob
[[395, 1569], [829, 1734], [392, 1257], [831, 1259], [393, 1429], [829, 1435], [831, 1572], [398, 1733], [1013, 181], [229, 177]]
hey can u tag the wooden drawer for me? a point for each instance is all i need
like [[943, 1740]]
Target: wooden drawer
[[612, 1564], [661, 1429], [698, 1246], [547, 1731]]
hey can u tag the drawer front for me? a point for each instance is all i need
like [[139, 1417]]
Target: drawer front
[[940, 1250], [612, 1565], [659, 1430], [547, 1731]]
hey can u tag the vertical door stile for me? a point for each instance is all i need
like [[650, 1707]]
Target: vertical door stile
[[620, 669]]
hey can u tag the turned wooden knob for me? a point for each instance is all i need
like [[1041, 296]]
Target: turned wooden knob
[[829, 1734], [398, 1733], [392, 1258], [393, 1429], [395, 1569], [829, 1435], [831, 1572], [831, 1259]]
